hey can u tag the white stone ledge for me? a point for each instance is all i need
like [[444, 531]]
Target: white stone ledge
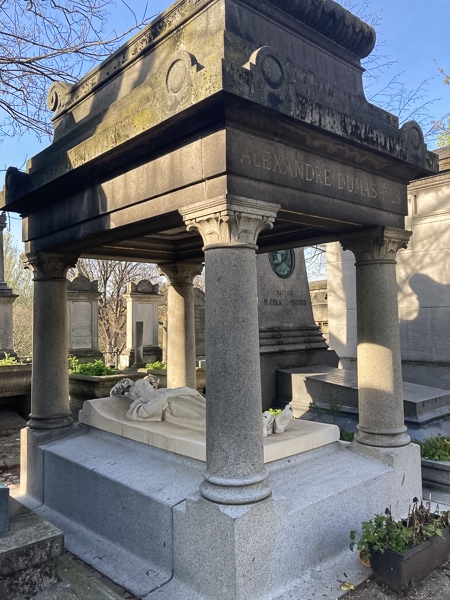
[[108, 414]]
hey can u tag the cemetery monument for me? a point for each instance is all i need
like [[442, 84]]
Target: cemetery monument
[[224, 129]]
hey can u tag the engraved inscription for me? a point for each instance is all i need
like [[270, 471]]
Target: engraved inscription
[[293, 165], [284, 298]]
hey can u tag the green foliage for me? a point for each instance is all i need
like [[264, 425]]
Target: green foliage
[[346, 436], [335, 407], [275, 411], [9, 360], [435, 448], [158, 365], [382, 532], [97, 367], [443, 139]]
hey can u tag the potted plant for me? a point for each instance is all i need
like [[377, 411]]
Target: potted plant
[[402, 552], [435, 453]]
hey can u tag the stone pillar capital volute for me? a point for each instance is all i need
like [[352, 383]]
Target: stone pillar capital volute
[[48, 265], [182, 273], [379, 244], [229, 221]]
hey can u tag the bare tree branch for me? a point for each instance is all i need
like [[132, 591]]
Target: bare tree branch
[[42, 41]]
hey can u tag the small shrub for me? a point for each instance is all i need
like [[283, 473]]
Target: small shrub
[[96, 368], [435, 448], [346, 436], [9, 360], [158, 365], [382, 532]]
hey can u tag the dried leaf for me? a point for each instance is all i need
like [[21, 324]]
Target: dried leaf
[[347, 586]]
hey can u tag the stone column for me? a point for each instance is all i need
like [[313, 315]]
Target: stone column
[[181, 324], [235, 472], [380, 386], [49, 378], [7, 299]]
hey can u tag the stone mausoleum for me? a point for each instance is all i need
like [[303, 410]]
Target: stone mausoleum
[[224, 129]]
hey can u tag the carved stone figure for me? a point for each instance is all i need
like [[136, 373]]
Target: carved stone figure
[[181, 406]]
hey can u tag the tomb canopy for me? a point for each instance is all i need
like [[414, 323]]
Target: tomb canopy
[[219, 99]]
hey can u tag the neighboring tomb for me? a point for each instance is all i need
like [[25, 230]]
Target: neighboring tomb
[[423, 278], [142, 300], [82, 306], [6, 303]]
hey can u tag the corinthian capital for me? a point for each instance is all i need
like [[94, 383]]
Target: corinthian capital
[[230, 222], [182, 273], [379, 244], [48, 266]]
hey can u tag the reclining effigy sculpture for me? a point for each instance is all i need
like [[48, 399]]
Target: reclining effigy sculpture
[[182, 406]]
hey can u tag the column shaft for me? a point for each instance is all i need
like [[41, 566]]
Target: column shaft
[[50, 379], [235, 472], [181, 324], [380, 386]]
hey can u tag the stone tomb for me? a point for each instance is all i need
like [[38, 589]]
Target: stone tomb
[[224, 129], [108, 414], [7, 299], [143, 301], [82, 306], [288, 335]]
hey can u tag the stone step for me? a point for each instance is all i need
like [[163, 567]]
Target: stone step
[[337, 391], [29, 552], [133, 512], [114, 499]]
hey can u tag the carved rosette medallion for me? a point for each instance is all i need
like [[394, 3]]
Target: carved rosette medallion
[[179, 73], [230, 222], [266, 61], [378, 245]]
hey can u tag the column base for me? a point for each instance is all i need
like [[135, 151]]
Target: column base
[[235, 492], [383, 440], [50, 423]]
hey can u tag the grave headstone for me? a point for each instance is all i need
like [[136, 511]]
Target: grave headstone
[[288, 334], [142, 300], [82, 307]]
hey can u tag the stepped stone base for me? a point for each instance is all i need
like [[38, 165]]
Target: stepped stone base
[[28, 553], [133, 512], [330, 388]]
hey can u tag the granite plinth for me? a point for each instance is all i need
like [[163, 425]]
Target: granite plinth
[[327, 386], [28, 553], [108, 414]]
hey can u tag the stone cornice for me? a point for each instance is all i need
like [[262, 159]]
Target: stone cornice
[[324, 16], [334, 22]]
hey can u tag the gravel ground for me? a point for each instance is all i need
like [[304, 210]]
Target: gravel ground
[[436, 586]]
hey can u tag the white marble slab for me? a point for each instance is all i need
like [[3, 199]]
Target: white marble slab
[[108, 414]]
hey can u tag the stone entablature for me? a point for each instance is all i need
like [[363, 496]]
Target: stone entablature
[[306, 76]]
